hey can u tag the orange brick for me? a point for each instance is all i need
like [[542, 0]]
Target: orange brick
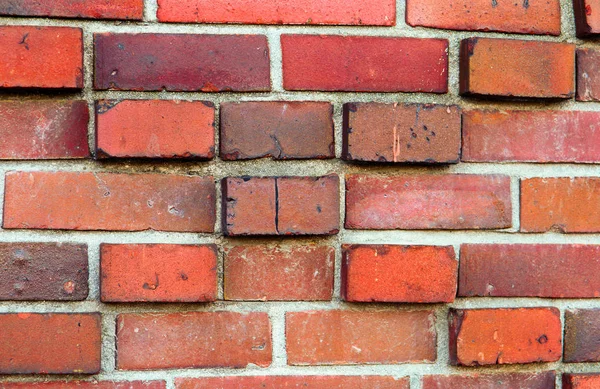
[[308, 382]]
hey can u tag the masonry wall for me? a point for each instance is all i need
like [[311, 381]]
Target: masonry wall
[[318, 194]]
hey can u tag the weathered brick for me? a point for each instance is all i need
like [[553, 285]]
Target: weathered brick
[[560, 204], [587, 18], [89, 9], [353, 337], [390, 273], [309, 382], [44, 129], [302, 273], [107, 201], [377, 132], [517, 68], [544, 380], [504, 336], [588, 74], [193, 339], [41, 57], [448, 202], [522, 17], [276, 129], [43, 271], [85, 385], [158, 272], [281, 205], [509, 136], [581, 381], [181, 62], [155, 129], [364, 64], [529, 270], [52, 343], [581, 335], [353, 12]]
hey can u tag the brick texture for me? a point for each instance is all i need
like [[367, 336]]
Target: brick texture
[[581, 334], [90, 9], [580, 381], [310, 382], [85, 385], [588, 75], [587, 18], [543, 380]]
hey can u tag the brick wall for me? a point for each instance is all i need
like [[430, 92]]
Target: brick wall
[[375, 194]]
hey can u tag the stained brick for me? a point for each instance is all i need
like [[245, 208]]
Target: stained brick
[[588, 74], [581, 381], [581, 335], [85, 385], [544, 380], [309, 382], [587, 18], [90, 9]]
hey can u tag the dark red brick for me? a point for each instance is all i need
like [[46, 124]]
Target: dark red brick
[[516, 68], [193, 340], [449, 202], [588, 74], [85, 385], [529, 270], [364, 64], [52, 343], [544, 380], [276, 129], [376, 132], [108, 201], [43, 271], [41, 57], [581, 381], [308, 382], [90, 9], [182, 62], [581, 335], [587, 18]]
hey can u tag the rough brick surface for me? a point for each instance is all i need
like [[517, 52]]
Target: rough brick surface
[[41, 57], [91, 9], [86, 385], [158, 272], [281, 205], [588, 75], [30, 343], [529, 270], [364, 64], [353, 12], [347, 337], [587, 18], [155, 129], [511, 68], [193, 339], [543, 380], [302, 273], [581, 335], [276, 129], [43, 271], [509, 136], [44, 129], [448, 202], [521, 17], [107, 201], [560, 204], [408, 274], [308, 382], [505, 336], [581, 381], [181, 62], [424, 133]]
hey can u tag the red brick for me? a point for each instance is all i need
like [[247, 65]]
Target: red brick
[[182, 62], [587, 18], [281, 205], [89, 9], [529, 270], [509, 136], [581, 381], [504, 336], [193, 340], [107, 201], [302, 273], [581, 335], [85, 385], [158, 272], [517, 68], [588, 74], [309, 382], [376, 132], [306, 12], [276, 129], [41, 57], [560, 204], [44, 129], [520, 17], [449, 202], [544, 380], [354, 337], [53, 343], [407, 274], [364, 64], [43, 271], [155, 129]]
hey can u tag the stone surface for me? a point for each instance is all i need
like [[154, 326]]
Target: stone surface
[[581, 335]]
